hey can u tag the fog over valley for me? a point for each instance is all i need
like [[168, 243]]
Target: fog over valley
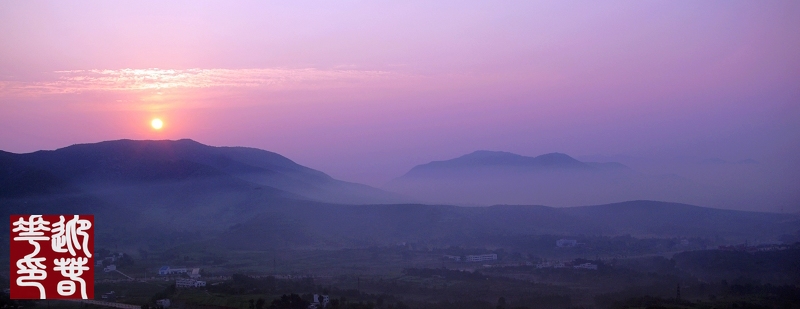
[[476, 154]]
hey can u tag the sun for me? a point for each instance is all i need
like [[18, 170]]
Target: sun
[[157, 124]]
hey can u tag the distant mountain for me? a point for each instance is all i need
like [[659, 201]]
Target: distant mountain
[[483, 159], [554, 179], [164, 193]]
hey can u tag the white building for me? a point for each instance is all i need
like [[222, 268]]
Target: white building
[[563, 243], [163, 303], [194, 273], [481, 258], [586, 266], [189, 283], [544, 265], [110, 268], [178, 270], [166, 270], [320, 301]]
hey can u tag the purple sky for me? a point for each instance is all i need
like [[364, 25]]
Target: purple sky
[[364, 91]]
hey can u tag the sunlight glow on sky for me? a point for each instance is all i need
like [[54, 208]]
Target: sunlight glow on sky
[[365, 91]]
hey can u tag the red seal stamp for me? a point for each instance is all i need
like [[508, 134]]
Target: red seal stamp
[[52, 257]]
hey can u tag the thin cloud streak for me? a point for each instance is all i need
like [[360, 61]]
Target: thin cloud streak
[[81, 81]]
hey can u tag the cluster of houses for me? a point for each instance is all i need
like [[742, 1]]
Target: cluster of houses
[[473, 258], [590, 266], [189, 283], [110, 296], [493, 257], [758, 248], [109, 261]]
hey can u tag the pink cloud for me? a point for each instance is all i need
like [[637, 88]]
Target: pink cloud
[[80, 81]]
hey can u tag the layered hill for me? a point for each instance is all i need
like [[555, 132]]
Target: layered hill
[[315, 225], [172, 192], [554, 179], [166, 185], [130, 163]]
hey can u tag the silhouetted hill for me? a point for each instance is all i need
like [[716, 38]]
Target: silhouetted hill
[[555, 179], [154, 188], [18, 179], [776, 267], [129, 163], [168, 192], [659, 218]]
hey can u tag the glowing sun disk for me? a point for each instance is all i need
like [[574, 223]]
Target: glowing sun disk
[[156, 124]]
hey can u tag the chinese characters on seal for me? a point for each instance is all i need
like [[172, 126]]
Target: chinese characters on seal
[[51, 256]]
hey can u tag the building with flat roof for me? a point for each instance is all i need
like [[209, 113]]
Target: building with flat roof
[[189, 283], [481, 257], [167, 270]]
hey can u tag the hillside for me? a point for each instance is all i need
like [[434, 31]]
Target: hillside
[[314, 225], [126, 163], [486, 178], [168, 192]]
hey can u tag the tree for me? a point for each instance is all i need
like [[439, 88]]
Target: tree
[[501, 303], [125, 261], [292, 301]]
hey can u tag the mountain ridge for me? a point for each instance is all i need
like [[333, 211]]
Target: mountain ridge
[[483, 178], [145, 190], [123, 162], [487, 158]]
